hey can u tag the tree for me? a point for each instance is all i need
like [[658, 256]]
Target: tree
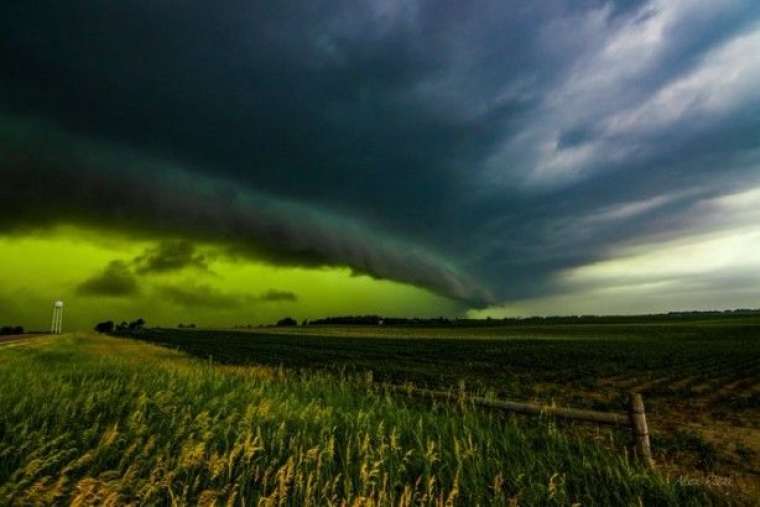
[[104, 327], [136, 325], [287, 322]]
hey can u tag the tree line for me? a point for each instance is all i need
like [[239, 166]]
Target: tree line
[[11, 330], [108, 326]]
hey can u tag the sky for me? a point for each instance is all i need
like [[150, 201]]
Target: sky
[[232, 163]]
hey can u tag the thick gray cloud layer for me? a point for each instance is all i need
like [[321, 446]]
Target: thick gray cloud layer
[[515, 140]]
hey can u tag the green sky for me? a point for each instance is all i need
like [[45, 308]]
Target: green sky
[[107, 275]]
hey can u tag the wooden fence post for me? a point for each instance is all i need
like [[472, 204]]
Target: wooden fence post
[[635, 420], [638, 419]]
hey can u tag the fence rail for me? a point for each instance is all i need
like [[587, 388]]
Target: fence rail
[[635, 420]]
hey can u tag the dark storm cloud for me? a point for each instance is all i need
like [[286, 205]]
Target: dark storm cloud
[[53, 177], [170, 256], [475, 149], [115, 280]]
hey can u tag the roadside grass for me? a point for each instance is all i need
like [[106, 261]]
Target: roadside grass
[[93, 420]]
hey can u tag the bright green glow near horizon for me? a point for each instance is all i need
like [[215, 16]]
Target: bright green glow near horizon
[[39, 268]]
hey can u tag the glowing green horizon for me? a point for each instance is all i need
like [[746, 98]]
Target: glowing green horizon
[[99, 277]]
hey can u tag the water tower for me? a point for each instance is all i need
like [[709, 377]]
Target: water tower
[[55, 328]]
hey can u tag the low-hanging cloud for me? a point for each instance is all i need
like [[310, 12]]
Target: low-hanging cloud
[[170, 255], [116, 280]]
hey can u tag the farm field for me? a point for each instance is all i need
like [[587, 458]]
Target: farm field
[[94, 420], [700, 379]]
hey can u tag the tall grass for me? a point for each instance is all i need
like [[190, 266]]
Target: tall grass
[[95, 421]]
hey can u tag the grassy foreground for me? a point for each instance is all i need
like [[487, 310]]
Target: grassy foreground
[[96, 420]]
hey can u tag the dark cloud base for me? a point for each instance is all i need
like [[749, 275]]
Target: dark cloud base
[[54, 179]]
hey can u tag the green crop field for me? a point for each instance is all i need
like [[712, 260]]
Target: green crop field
[[715, 365], [700, 378], [94, 420]]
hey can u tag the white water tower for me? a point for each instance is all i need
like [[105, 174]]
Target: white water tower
[[57, 325]]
